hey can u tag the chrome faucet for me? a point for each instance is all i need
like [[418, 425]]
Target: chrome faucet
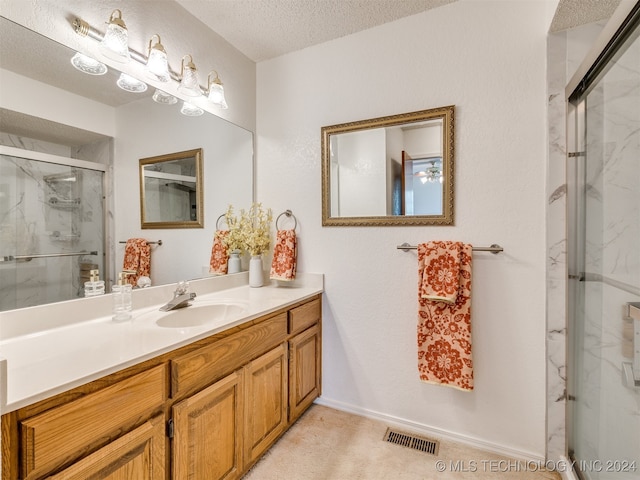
[[181, 297]]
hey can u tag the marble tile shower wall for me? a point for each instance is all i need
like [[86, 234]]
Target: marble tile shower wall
[[565, 51], [43, 215], [556, 246]]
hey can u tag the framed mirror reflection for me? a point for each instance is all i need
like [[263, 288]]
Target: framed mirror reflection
[[171, 190], [394, 170]]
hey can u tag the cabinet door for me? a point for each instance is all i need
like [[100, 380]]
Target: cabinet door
[[265, 402], [65, 433], [137, 455], [208, 432], [304, 370]]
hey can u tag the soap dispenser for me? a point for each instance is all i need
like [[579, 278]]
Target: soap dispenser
[[121, 293], [94, 286]]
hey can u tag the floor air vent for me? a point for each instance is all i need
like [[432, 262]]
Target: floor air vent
[[412, 441]]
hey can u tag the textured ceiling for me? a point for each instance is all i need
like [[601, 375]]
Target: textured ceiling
[[261, 29], [264, 29], [573, 13]]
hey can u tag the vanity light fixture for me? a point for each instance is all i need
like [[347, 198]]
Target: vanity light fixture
[[88, 65], [157, 65], [190, 110], [131, 84], [164, 98], [115, 44], [216, 91], [189, 83]]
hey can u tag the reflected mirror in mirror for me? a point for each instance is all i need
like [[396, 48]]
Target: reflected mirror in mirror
[[171, 190], [395, 170]]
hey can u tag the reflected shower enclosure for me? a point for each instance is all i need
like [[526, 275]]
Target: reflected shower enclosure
[[51, 229]]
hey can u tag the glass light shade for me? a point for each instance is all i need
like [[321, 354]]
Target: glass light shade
[[88, 65], [162, 97], [115, 44], [216, 95], [190, 110], [157, 64], [130, 84], [189, 84]]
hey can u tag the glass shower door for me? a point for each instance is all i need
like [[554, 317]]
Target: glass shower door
[[51, 230], [604, 407]]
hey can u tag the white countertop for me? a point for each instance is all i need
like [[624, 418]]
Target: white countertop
[[50, 349]]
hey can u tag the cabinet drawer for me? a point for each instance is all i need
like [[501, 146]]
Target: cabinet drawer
[[304, 316], [202, 367], [63, 434]]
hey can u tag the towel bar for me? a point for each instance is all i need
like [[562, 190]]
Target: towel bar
[[495, 248], [159, 242]]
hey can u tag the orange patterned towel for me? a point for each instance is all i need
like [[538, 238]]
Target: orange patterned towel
[[219, 254], [444, 314], [137, 257], [285, 255]]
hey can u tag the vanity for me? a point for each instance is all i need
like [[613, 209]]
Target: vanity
[[200, 392]]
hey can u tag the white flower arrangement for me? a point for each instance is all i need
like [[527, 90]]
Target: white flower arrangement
[[251, 232]]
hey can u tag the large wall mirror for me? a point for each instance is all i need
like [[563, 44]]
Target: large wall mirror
[[139, 128], [394, 170], [171, 190]]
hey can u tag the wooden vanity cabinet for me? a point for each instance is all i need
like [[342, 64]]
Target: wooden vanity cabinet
[[137, 454], [206, 410], [207, 440], [65, 433], [305, 357], [304, 371], [266, 394]]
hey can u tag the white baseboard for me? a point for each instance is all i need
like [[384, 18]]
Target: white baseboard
[[432, 431], [567, 473]]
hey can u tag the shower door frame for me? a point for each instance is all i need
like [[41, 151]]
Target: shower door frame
[[75, 163], [623, 23]]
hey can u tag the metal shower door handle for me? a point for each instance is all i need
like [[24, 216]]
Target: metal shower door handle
[[631, 370]]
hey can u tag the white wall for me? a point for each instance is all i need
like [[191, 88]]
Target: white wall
[[488, 59], [361, 173]]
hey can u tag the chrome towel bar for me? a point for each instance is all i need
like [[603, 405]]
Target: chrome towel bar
[[495, 248]]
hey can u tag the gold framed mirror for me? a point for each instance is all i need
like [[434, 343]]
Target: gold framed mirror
[[171, 192], [394, 170]]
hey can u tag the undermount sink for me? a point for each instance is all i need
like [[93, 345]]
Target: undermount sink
[[198, 315]]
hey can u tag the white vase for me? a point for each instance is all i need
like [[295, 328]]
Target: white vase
[[233, 265], [256, 275]]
